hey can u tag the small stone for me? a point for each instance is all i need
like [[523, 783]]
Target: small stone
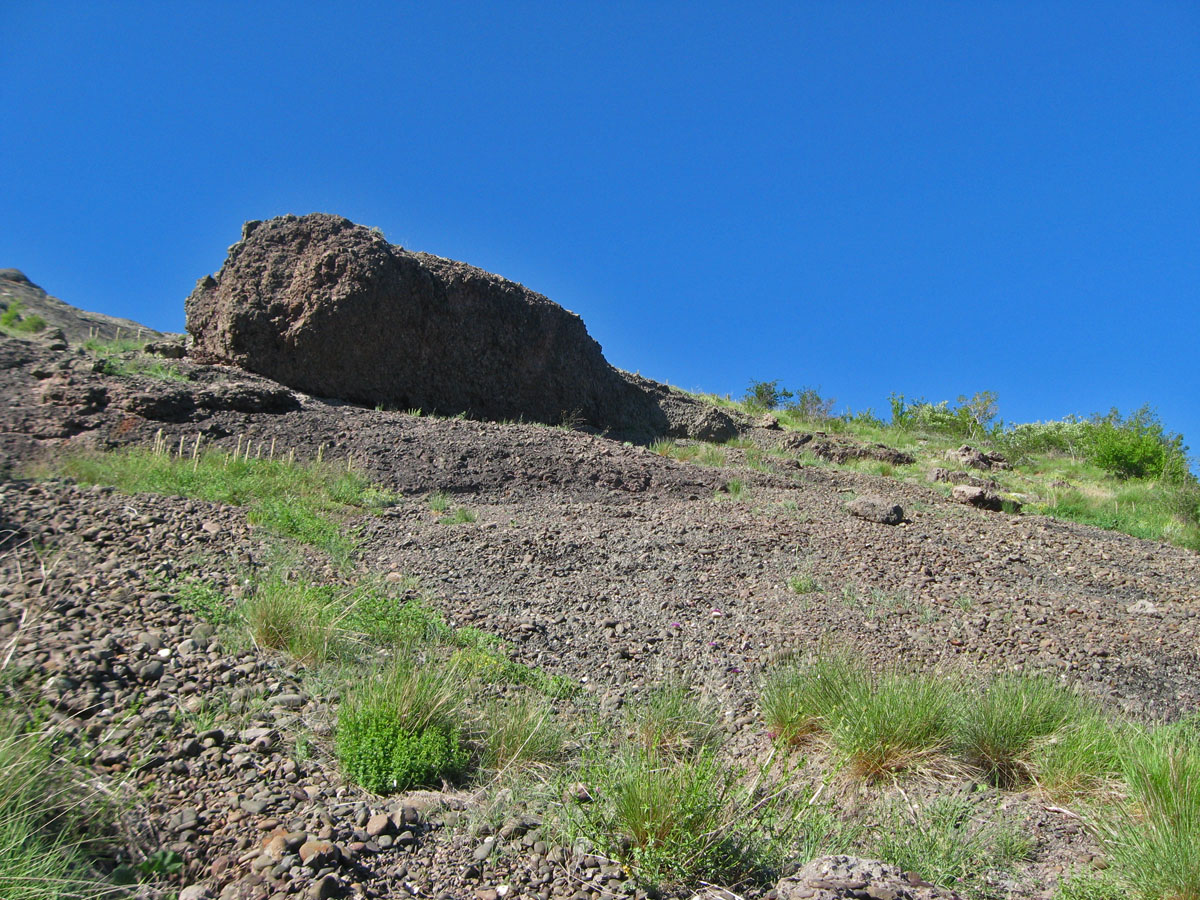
[[379, 824], [325, 887]]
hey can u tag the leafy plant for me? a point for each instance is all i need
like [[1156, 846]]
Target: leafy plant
[[763, 395], [401, 729]]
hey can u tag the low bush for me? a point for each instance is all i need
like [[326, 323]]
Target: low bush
[[1135, 445], [402, 729]]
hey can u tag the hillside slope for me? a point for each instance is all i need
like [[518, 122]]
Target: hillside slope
[[604, 564]]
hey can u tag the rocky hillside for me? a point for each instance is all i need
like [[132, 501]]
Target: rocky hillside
[[201, 621]]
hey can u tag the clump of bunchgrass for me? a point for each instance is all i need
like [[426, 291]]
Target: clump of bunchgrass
[[296, 616], [460, 516], [1082, 759], [895, 722], [674, 721], [439, 501], [948, 842], [804, 583], [1155, 849], [733, 489], [999, 730], [44, 823], [521, 733], [805, 697]]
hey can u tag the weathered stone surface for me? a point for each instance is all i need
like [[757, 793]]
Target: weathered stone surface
[[874, 508], [331, 308], [980, 498], [839, 877]]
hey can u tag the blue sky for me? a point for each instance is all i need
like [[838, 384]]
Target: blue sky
[[927, 198]]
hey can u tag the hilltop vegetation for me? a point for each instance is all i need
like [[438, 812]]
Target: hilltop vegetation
[[1122, 472]]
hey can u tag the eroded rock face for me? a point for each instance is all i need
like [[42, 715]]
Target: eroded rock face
[[331, 308]]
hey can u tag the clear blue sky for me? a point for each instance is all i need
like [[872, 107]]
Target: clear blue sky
[[929, 198]]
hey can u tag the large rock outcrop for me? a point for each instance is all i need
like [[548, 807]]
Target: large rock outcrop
[[331, 308]]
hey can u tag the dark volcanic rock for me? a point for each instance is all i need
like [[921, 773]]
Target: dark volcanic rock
[[331, 308], [874, 508]]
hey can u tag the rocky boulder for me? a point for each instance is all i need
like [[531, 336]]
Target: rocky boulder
[[875, 508], [331, 308], [979, 497], [838, 877]]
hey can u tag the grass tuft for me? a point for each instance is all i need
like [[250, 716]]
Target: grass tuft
[[674, 721]]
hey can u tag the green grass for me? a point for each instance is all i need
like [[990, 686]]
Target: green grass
[[734, 489], [803, 698], [302, 501], [147, 368], [895, 722], [1000, 730], [12, 320], [673, 721], [113, 346], [44, 847], [522, 733], [803, 584], [1082, 759], [1155, 848], [439, 501], [460, 516], [950, 843]]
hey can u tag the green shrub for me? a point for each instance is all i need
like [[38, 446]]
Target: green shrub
[[803, 584], [1134, 446], [764, 395], [401, 729]]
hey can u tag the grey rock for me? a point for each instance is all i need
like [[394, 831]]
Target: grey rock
[[874, 508], [839, 877]]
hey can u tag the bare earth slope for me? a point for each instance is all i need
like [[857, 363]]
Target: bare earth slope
[[597, 560]]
